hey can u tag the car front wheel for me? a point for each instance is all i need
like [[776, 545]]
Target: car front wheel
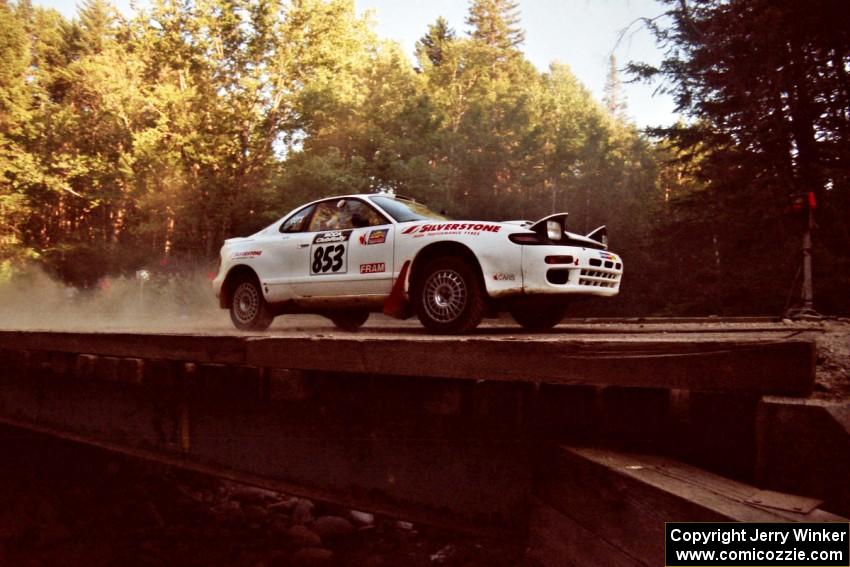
[[248, 308], [449, 296]]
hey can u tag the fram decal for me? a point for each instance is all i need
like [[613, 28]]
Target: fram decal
[[378, 236], [248, 254], [332, 236], [452, 227], [373, 268]]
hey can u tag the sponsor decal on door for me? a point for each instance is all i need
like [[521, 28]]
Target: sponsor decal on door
[[329, 253], [373, 268]]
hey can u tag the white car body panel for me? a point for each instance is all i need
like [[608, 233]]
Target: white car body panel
[[366, 262]]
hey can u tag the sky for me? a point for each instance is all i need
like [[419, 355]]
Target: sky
[[580, 33]]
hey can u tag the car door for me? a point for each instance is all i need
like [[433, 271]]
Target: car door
[[350, 251], [287, 255]]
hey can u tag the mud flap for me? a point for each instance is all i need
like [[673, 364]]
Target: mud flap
[[397, 304]]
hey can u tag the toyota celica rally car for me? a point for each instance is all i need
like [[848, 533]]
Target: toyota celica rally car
[[346, 257]]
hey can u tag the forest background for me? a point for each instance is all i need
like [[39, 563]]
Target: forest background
[[144, 142]]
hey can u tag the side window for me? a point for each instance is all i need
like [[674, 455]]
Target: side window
[[296, 222], [363, 214], [343, 214], [326, 217]]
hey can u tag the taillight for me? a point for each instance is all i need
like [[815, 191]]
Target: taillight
[[525, 238]]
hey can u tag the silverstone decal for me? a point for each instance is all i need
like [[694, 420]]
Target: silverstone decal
[[329, 253], [378, 236], [248, 254], [373, 268], [465, 228]]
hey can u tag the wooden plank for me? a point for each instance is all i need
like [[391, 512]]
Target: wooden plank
[[782, 367], [556, 540], [196, 348], [804, 446], [626, 499], [745, 366]]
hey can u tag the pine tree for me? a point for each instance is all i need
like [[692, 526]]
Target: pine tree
[[614, 99], [96, 25], [433, 43], [496, 23]]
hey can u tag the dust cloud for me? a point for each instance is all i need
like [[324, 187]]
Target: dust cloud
[[149, 302]]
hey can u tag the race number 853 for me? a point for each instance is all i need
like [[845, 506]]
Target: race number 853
[[329, 258]]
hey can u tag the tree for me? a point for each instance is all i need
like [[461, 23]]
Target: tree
[[768, 82], [496, 23], [95, 26], [16, 164], [614, 98], [433, 43], [131, 143]]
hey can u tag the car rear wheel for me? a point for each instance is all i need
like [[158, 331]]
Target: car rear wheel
[[538, 315], [449, 297], [349, 320], [248, 308]]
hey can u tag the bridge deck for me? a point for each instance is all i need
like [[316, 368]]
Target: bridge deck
[[450, 430], [765, 363]]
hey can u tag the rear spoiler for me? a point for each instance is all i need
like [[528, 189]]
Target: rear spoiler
[[600, 235], [561, 218]]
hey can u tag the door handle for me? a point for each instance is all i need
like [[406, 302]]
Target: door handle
[[303, 245]]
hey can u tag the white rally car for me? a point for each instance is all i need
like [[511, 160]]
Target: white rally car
[[345, 257]]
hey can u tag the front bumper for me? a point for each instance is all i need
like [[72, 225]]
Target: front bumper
[[590, 272]]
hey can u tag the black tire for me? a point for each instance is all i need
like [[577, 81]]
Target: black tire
[[449, 296], [248, 308], [538, 315], [349, 320]]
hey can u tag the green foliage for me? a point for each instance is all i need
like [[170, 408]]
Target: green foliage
[[142, 142], [766, 81], [496, 23], [431, 44]]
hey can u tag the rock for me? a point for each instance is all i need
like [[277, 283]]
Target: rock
[[278, 528], [113, 469], [363, 518], [407, 526], [279, 559], [303, 512], [251, 494], [787, 322], [312, 556], [330, 527], [254, 514], [374, 561], [228, 513], [136, 514], [52, 533], [284, 505], [303, 537], [444, 555]]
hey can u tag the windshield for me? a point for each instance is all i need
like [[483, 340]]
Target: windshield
[[404, 210]]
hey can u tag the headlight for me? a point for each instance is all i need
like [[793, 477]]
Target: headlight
[[554, 230]]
